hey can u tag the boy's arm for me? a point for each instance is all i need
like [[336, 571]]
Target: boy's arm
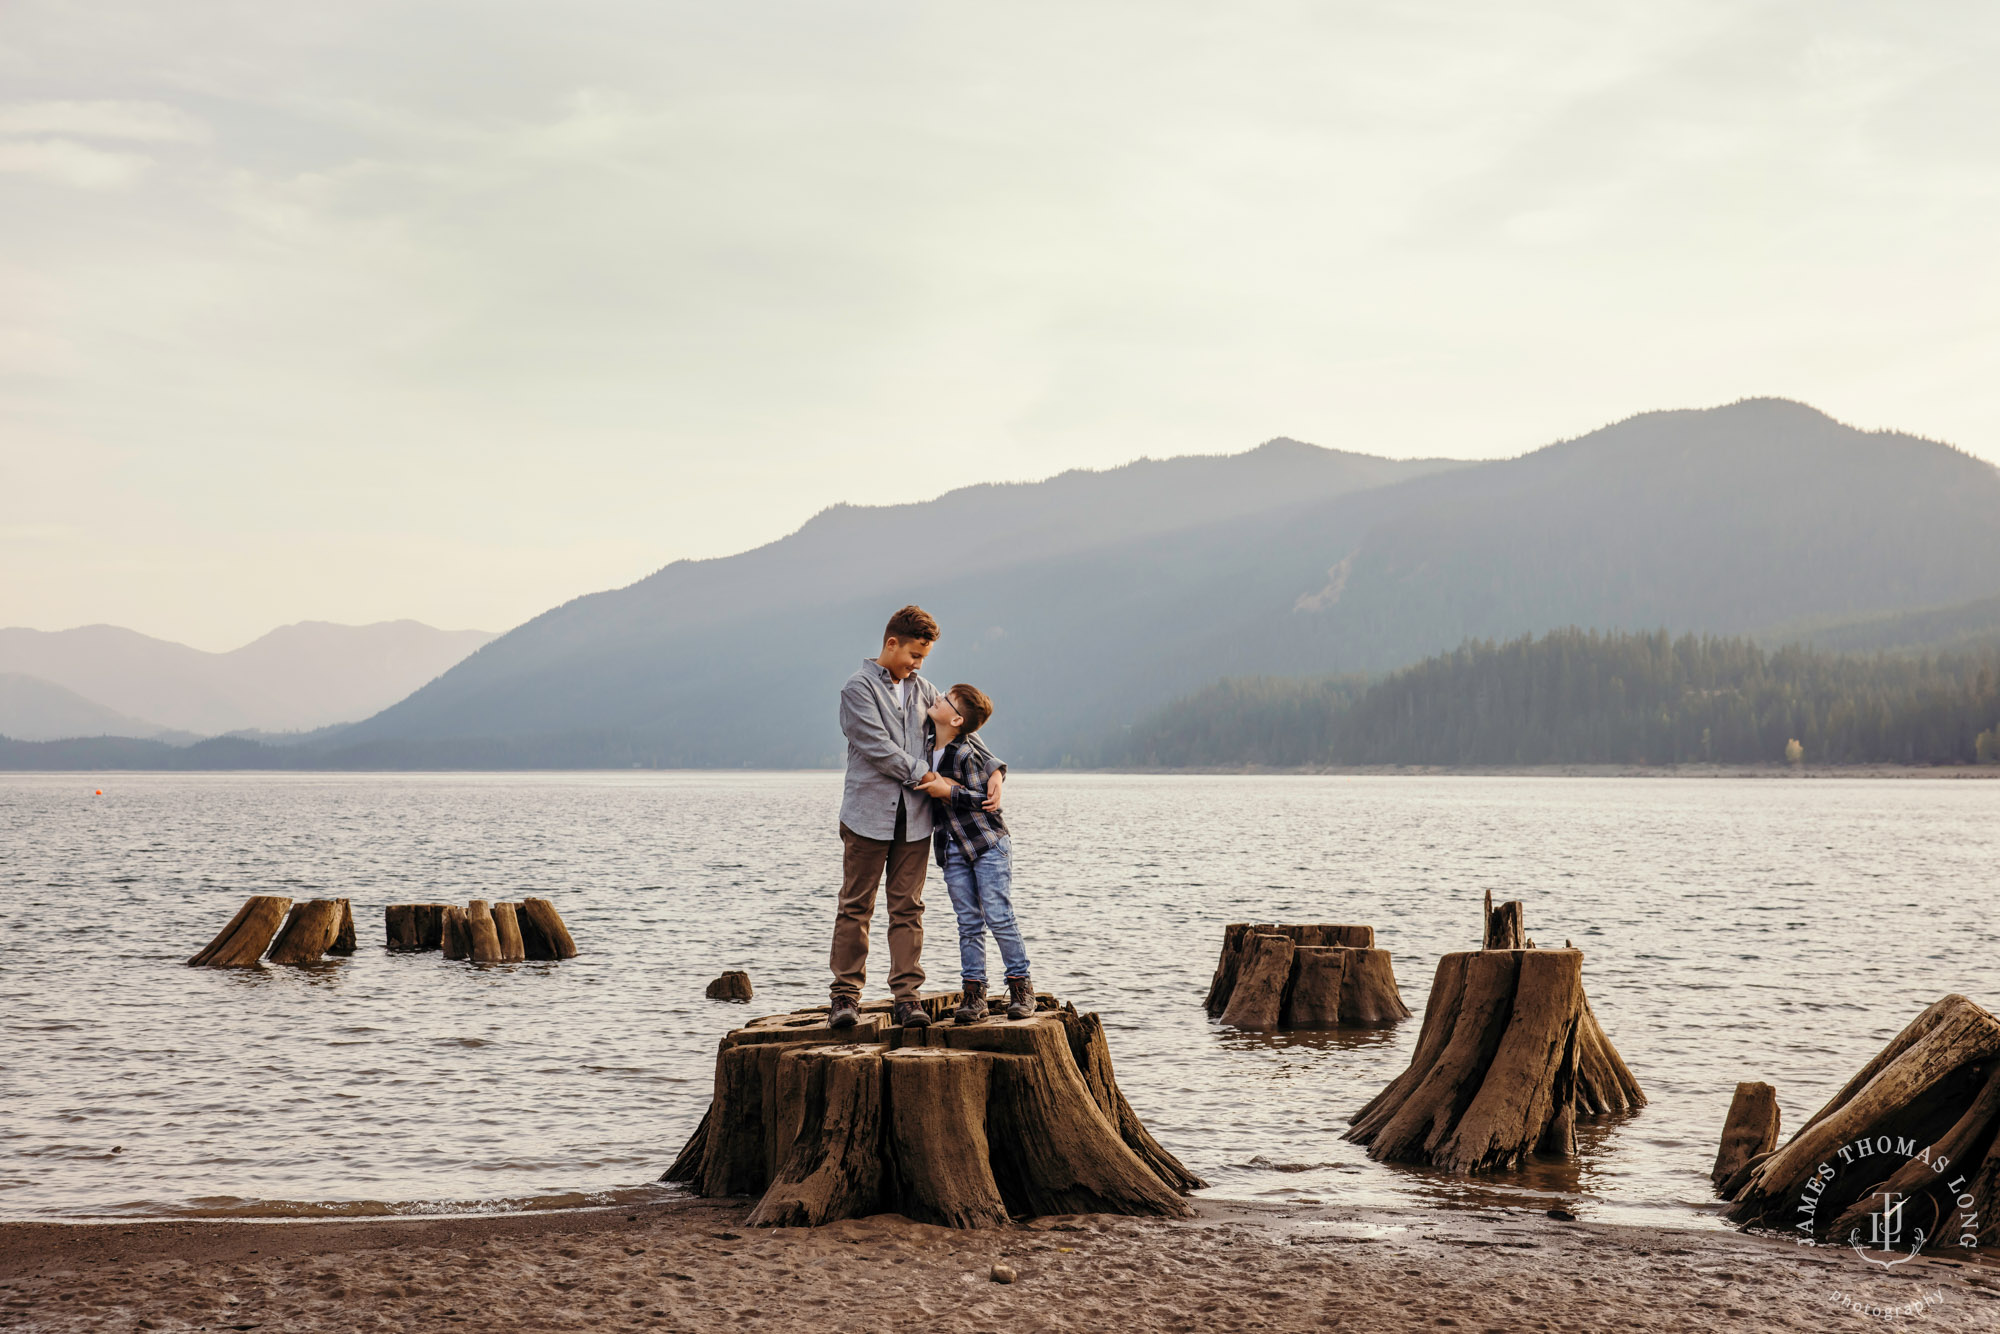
[[861, 722]]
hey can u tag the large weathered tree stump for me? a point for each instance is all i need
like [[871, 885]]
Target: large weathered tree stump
[[309, 931], [1499, 1070], [1749, 1131], [1920, 1124], [542, 931], [1312, 975], [959, 1125], [242, 942]]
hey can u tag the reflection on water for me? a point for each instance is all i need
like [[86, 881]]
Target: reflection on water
[[1718, 919]]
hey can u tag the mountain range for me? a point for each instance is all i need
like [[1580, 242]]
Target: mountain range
[[100, 680], [1084, 602]]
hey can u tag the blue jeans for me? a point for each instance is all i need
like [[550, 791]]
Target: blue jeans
[[980, 899]]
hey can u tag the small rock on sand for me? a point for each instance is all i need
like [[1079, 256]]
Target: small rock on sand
[[1004, 1273]]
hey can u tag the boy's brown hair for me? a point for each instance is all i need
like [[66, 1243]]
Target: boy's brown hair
[[973, 706], [912, 622]]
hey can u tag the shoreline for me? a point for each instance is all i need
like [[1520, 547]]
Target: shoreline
[[1974, 772], [688, 1264]]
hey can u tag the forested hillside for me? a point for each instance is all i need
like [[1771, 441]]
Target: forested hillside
[[1584, 697]]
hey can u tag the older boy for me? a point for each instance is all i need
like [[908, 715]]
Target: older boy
[[885, 823]]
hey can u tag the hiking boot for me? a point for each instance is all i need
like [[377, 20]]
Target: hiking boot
[[846, 1012], [973, 1008], [909, 1014], [1020, 997]]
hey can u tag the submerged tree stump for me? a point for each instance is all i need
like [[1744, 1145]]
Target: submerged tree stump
[[414, 926], [242, 942], [309, 931], [482, 934], [343, 940], [1749, 1131], [733, 985], [542, 931], [1920, 1124], [959, 1125], [1313, 975], [507, 924], [454, 936], [1508, 1054]]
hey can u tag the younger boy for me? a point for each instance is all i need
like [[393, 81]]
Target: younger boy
[[975, 851]]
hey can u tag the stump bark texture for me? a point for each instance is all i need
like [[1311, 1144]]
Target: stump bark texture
[[542, 931], [1749, 1131], [1311, 975], [958, 1125], [414, 926], [310, 930], [1509, 1054], [732, 985], [241, 943], [482, 934], [1920, 1122]]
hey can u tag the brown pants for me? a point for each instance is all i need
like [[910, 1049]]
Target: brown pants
[[861, 871]]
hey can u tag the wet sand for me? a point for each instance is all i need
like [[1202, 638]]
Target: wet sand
[[691, 1265]]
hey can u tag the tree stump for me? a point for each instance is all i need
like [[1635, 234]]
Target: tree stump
[[309, 931], [454, 936], [343, 940], [959, 1125], [414, 926], [242, 942], [1749, 1131], [1499, 1068], [1919, 1123], [731, 986], [542, 931], [1505, 927], [507, 924], [482, 933], [1313, 975]]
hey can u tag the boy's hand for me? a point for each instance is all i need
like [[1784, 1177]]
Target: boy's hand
[[936, 785], [993, 791]]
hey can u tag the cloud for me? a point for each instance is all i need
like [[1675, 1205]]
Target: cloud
[[70, 163], [141, 122]]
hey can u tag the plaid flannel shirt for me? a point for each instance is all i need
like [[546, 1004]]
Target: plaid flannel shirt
[[963, 819]]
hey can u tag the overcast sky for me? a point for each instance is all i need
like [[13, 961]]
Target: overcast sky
[[357, 311]]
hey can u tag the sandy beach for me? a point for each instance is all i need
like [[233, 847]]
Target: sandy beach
[[691, 1265]]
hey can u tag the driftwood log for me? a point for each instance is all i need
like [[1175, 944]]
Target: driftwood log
[[310, 930], [1749, 1131], [242, 942], [962, 1125], [542, 931], [1508, 1055], [1920, 1123], [733, 985], [1313, 975], [414, 926]]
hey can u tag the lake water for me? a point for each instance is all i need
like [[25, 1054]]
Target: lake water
[[1778, 929]]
